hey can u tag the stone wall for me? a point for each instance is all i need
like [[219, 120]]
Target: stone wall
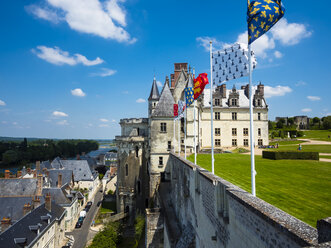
[[219, 214]]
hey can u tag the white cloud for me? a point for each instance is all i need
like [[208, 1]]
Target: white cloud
[[62, 123], [300, 83], [260, 46], [158, 83], [105, 72], [276, 91], [2, 103], [306, 110], [103, 125], [59, 114], [289, 33], [313, 98], [125, 92], [205, 43], [44, 13], [104, 120], [15, 123], [140, 100], [94, 17], [78, 92], [278, 54], [58, 57]]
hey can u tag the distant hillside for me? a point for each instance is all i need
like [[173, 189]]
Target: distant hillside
[[20, 139]]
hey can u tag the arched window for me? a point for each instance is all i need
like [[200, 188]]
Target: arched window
[[126, 170]]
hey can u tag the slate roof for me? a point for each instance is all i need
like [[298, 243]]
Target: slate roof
[[45, 164], [154, 95], [66, 177], [165, 106], [58, 195], [56, 163], [18, 186], [13, 206], [190, 81], [21, 229], [81, 169], [243, 99]]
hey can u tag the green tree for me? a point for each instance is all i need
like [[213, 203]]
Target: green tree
[[327, 122], [290, 121], [10, 157], [280, 124]]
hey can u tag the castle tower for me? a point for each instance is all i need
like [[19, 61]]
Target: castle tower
[[153, 98]]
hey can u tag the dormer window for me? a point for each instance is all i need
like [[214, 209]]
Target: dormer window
[[217, 102], [259, 103], [234, 102]]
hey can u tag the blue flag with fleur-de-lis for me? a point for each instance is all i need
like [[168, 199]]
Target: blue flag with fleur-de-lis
[[189, 95], [261, 16]]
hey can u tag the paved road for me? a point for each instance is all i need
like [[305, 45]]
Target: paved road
[[81, 234]]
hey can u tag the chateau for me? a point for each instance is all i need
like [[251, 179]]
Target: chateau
[[185, 205]]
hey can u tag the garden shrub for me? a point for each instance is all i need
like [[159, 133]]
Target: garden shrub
[[277, 155]]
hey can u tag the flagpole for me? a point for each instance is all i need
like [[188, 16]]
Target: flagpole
[[251, 121], [211, 107], [185, 130], [174, 139], [179, 141], [194, 126]]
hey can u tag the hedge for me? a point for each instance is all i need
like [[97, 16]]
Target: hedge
[[276, 155]]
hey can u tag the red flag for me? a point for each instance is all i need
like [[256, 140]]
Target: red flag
[[175, 110], [199, 84]]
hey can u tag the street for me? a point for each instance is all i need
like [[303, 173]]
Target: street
[[80, 234]]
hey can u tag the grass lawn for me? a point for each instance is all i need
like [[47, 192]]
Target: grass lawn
[[317, 135], [287, 142], [306, 148], [108, 207], [300, 188]]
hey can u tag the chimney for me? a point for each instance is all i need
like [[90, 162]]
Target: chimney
[[36, 201], [260, 89], [7, 174], [83, 153], [5, 223], [172, 80], [48, 202], [77, 157], [247, 91], [223, 90], [178, 68], [34, 173], [39, 184], [59, 180], [38, 165], [26, 209], [29, 170], [19, 174]]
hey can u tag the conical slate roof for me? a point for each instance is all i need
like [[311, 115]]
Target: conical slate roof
[[165, 107], [154, 92], [190, 81]]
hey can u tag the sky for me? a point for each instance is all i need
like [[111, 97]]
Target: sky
[[74, 68]]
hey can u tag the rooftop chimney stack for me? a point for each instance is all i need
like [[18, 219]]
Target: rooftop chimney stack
[[29, 171], [34, 173], [36, 201], [223, 90], [38, 165], [59, 180], [5, 223], [83, 153], [7, 174], [48, 202], [39, 184], [260, 89], [19, 174], [77, 157], [26, 208]]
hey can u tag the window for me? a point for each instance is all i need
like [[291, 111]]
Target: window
[[126, 170], [169, 145], [217, 102], [260, 142], [163, 127], [234, 142], [217, 132], [259, 131], [217, 142], [258, 116], [245, 142], [259, 102], [245, 131], [160, 160], [137, 151], [233, 102], [234, 116], [217, 115], [234, 131]]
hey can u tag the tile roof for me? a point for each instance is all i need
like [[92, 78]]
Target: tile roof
[[18, 186], [165, 106], [22, 230]]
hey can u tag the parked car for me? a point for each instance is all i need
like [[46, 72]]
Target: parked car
[[82, 214], [99, 203], [100, 190], [80, 219], [86, 209], [79, 224], [89, 203]]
